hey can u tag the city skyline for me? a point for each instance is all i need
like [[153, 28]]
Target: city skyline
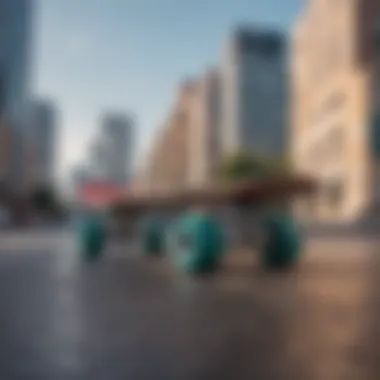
[[86, 74]]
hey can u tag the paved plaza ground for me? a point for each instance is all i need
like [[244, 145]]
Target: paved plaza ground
[[128, 317]]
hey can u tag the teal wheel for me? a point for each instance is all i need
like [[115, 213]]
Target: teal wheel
[[92, 239], [283, 242], [199, 243]]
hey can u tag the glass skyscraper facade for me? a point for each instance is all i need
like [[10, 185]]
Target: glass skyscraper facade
[[15, 35], [117, 136], [254, 85], [15, 45]]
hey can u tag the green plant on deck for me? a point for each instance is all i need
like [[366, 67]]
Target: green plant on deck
[[244, 165]]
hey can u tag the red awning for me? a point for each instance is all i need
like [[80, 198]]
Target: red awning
[[101, 194]]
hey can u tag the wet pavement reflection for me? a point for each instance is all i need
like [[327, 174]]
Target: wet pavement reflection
[[127, 317]]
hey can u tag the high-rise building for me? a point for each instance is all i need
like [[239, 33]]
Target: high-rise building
[[117, 137], [15, 44], [3, 94], [253, 75], [5, 146], [336, 107], [167, 165], [186, 149], [43, 137], [240, 106], [203, 140], [98, 159]]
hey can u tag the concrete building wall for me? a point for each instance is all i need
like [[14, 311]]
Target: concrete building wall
[[14, 146], [204, 150], [369, 58], [167, 166], [231, 134], [331, 108], [186, 148]]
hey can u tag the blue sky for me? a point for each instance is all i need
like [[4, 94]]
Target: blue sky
[[129, 55]]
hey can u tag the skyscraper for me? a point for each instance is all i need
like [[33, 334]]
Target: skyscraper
[[43, 134], [98, 158], [2, 91], [117, 149], [15, 44], [253, 75], [203, 133], [15, 36], [168, 163]]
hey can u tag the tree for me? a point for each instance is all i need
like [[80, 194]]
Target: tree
[[244, 165]]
